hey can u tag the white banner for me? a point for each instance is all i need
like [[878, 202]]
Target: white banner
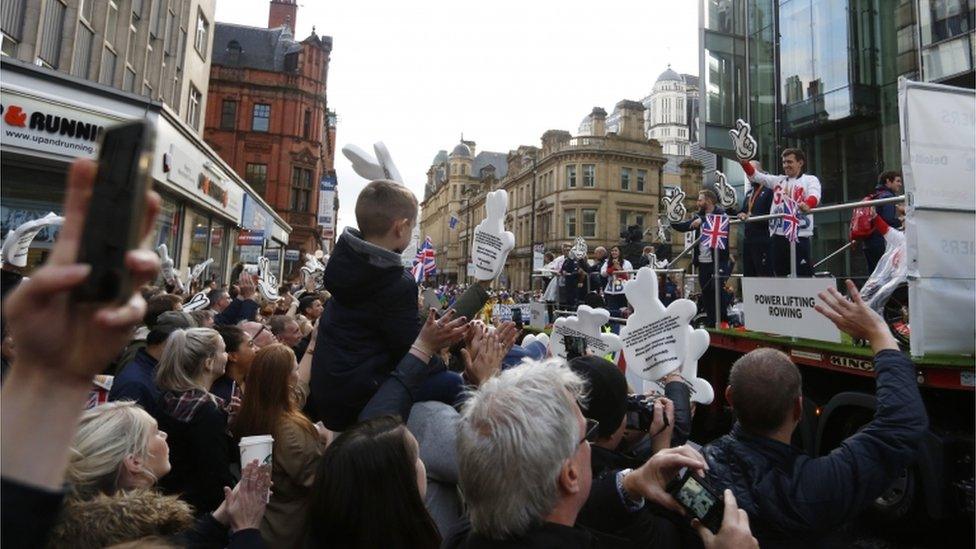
[[51, 127], [503, 313], [784, 306]]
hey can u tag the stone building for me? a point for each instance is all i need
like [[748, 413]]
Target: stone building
[[591, 185], [269, 118], [156, 48]]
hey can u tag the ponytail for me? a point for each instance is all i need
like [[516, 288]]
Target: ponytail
[[184, 356]]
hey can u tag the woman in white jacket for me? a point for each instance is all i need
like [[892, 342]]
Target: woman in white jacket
[[613, 294]]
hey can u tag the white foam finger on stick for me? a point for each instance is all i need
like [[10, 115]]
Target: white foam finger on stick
[[674, 207], [742, 141], [386, 162], [197, 302], [588, 326], [363, 163], [655, 337], [18, 241], [726, 193], [491, 242], [697, 343]]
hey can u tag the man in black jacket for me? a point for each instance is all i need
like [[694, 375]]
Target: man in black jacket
[[703, 257], [755, 242], [794, 500], [889, 185]]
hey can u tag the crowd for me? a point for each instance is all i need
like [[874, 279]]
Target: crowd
[[394, 424]]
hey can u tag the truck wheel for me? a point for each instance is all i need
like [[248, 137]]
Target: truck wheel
[[898, 499]]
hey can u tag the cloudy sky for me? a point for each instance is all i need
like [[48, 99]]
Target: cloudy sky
[[415, 74]]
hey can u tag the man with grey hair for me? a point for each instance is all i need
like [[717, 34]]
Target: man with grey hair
[[524, 464]]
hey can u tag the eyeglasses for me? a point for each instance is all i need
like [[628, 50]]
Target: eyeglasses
[[592, 432]]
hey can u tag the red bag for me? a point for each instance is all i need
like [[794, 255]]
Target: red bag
[[862, 221]]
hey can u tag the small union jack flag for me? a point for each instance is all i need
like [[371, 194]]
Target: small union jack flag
[[424, 265], [790, 223], [453, 222], [715, 231]]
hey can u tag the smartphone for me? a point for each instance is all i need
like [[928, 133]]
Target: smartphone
[[699, 499], [575, 347], [116, 212]]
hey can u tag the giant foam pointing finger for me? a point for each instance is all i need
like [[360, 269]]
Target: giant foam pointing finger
[[170, 276], [370, 168], [588, 326], [18, 240], [491, 242]]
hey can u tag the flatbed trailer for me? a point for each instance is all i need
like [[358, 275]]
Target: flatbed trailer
[[838, 389]]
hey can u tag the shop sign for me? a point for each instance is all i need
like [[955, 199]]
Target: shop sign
[[327, 192], [250, 254], [49, 127], [271, 254], [196, 174], [255, 217], [292, 255], [250, 238]]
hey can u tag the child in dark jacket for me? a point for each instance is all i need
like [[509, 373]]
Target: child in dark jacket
[[373, 318]]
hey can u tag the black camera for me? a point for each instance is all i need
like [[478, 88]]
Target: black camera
[[701, 500], [640, 412]]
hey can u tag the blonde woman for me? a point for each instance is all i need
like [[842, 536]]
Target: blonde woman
[[116, 458], [200, 450]]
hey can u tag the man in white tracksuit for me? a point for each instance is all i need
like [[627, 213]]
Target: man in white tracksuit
[[804, 190]]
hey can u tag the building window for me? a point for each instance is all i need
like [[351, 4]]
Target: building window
[[12, 21], [129, 79], [112, 24], [193, 107], [639, 220], [589, 223], [261, 118], [108, 67], [137, 8], [625, 179], [256, 176], [301, 189], [171, 34], [228, 115], [641, 180], [570, 217], [307, 124], [570, 177], [83, 52], [624, 216], [130, 48], [181, 50], [201, 40], [50, 46], [589, 175], [146, 89]]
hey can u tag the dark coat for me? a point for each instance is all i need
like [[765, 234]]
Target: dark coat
[[794, 500], [758, 232], [888, 212], [685, 226], [238, 310], [137, 382], [366, 328]]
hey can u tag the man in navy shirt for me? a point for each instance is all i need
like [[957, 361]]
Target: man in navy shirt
[[889, 185]]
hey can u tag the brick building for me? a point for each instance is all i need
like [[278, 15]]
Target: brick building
[[267, 115]]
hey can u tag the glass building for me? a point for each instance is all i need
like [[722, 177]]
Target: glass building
[[822, 75]]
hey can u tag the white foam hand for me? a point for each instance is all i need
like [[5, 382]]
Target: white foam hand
[[197, 302], [742, 141], [674, 207], [655, 337], [726, 193], [267, 282], [370, 168], [578, 251], [491, 242], [198, 270], [542, 338], [701, 390], [17, 243], [588, 325], [662, 230], [312, 273]]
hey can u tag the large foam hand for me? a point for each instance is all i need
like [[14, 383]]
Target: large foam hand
[[491, 242], [312, 273], [726, 193], [170, 276], [197, 302], [588, 326], [742, 141], [198, 270], [655, 338], [267, 282], [17, 243], [370, 168], [674, 207], [701, 390]]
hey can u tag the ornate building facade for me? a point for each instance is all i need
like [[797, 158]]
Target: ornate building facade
[[592, 185]]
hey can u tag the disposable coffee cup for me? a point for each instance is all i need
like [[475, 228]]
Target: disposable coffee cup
[[256, 448]]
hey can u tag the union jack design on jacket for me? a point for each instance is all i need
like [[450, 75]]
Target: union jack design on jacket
[[790, 223], [424, 264], [715, 231]]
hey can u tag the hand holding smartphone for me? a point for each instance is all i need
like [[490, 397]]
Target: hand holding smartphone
[[700, 500]]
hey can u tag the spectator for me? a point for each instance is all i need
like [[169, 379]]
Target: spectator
[[136, 380], [309, 310], [371, 471], [524, 462], [614, 290], [703, 256], [240, 354], [795, 499], [285, 329], [889, 185], [203, 318], [259, 333], [244, 306], [572, 284], [194, 418], [755, 244], [372, 319], [272, 406], [219, 300], [118, 455], [156, 306]]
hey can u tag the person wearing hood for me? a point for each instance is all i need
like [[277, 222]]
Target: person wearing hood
[[372, 320]]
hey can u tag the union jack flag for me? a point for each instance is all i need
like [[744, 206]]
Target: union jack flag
[[715, 231], [424, 264], [790, 223], [452, 223]]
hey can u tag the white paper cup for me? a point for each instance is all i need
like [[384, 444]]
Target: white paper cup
[[256, 448]]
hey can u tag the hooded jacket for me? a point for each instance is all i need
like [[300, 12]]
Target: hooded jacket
[[366, 328]]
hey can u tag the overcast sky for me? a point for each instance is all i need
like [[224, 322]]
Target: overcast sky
[[415, 74]]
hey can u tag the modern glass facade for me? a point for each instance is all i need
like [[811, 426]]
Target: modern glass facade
[[829, 86]]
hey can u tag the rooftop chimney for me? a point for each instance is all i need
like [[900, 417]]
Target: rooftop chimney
[[283, 13]]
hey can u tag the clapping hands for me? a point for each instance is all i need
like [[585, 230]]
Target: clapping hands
[[243, 507]]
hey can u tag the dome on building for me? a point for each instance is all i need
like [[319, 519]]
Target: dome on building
[[441, 157], [669, 75], [461, 150]]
